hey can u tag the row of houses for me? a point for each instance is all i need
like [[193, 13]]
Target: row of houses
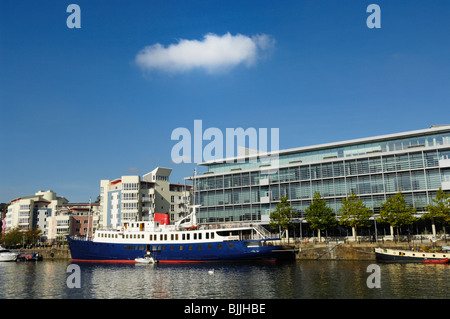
[[124, 199]]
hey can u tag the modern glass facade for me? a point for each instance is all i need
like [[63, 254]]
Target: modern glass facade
[[416, 163]]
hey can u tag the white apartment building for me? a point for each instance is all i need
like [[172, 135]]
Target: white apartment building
[[73, 219], [34, 211], [131, 198]]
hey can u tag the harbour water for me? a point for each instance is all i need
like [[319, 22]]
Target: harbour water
[[265, 280]]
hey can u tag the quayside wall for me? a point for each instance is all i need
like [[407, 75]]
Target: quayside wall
[[351, 251], [309, 251], [60, 253]]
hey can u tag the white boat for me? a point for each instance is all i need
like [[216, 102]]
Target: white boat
[[145, 260], [7, 255], [397, 255]]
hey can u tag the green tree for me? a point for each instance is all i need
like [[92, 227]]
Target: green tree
[[319, 215], [13, 237], [282, 216], [32, 235], [354, 213], [396, 212], [439, 211]]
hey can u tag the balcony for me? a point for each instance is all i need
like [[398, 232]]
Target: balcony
[[446, 185], [444, 162], [266, 198]]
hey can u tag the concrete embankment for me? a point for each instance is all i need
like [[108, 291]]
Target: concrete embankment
[[347, 251], [50, 253], [310, 251]]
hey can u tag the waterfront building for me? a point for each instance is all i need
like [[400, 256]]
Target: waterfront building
[[78, 219], [248, 188], [132, 198], [29, 212]]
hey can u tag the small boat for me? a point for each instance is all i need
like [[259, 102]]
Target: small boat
[[7, 255], [397, 255], [145, 260], [29, 257], [435, 261]]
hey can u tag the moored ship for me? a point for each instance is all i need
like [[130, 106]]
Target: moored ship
[[397, 255], [183, 242]]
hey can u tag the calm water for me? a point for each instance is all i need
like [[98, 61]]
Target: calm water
[[288, 280]]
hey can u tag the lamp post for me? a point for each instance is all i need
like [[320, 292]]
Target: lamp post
[[374, 217]]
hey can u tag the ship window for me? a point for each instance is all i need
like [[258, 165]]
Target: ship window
[[171, 236], [171, 247], [199, 246], [231, 245], [207, 235], [220, 246], [161, 237], [176, 236], [209, 246], [195, 236], [183, 237], [200, 236], [165, 236], [190, 247], [212, 235], [181, 247]]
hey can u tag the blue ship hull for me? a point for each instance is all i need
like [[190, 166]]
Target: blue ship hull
[[237, 250]]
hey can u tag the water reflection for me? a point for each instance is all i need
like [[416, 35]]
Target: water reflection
[[290, 280]]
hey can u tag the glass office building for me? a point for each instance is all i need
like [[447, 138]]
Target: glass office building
[[417, 163]]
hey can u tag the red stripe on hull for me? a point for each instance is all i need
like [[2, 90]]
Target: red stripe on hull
[[105, 261], [159, 261]]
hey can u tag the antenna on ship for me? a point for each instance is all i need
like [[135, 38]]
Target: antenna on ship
[[89, 215], [193, 186]]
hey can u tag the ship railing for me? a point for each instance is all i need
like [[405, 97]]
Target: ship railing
[[262, 231], [80, 238]]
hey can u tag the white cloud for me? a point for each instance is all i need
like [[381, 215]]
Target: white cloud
[[213, 53]]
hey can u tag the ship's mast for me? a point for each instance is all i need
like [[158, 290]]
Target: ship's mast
[[89, 217]]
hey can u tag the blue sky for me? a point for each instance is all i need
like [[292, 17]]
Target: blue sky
[[76, 107]]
